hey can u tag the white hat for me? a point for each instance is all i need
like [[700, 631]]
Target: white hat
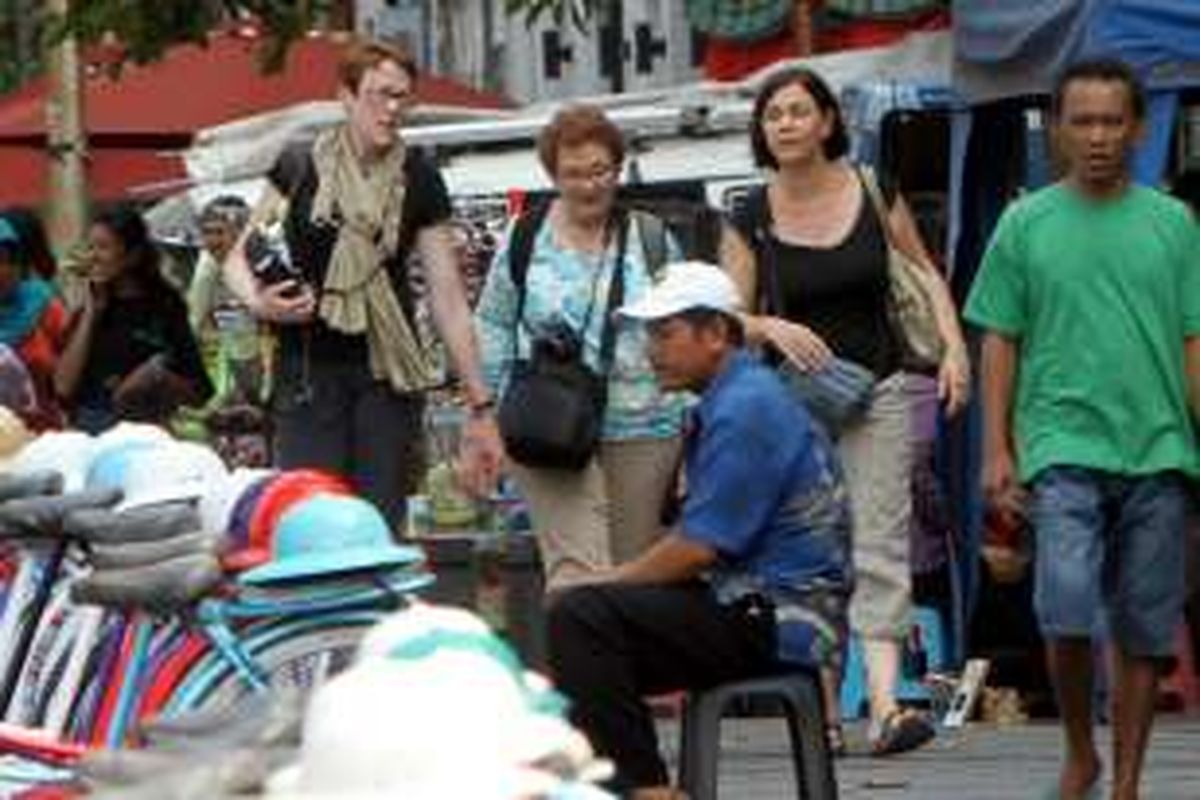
[[169, 472], [69, 453], [686, 285], [427, 697]]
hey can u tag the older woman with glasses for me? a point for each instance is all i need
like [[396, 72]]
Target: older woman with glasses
[[606, 513]]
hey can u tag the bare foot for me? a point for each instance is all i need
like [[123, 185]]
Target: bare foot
[[1079, 776]]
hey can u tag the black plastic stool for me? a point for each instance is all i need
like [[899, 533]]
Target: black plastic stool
[[799, 696]]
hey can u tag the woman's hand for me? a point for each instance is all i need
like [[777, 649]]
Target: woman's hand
[[95, 299], [954, 380], [285, 302], [797, 343]]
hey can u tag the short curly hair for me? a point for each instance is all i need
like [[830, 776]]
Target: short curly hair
[[575, 125]]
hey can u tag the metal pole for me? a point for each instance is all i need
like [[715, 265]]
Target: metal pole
[[66, 146]]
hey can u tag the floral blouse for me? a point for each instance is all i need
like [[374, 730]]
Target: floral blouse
[[562, 284]]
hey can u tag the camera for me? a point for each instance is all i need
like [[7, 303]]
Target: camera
[[558, 341], [269, 261]]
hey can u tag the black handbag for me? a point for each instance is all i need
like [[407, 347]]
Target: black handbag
[[552, 412]]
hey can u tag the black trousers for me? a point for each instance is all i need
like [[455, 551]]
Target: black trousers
[[612, 644], [336, 416]]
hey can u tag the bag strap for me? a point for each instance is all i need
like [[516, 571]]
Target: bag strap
[[616, 296], [653, 233], [520, 253], [870, 183], [767, 289]]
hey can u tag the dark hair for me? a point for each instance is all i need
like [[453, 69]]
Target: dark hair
[[362, 54], [838, 142], [1100, 69], [35, 245], [142, 257], [575, 125], [697, 318], [228, 209]]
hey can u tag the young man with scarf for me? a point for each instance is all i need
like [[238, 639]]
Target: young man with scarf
[[350, 372]]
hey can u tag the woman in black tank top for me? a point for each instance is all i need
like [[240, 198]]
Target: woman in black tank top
[[816, 227]]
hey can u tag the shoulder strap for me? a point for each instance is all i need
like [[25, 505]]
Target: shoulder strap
[[520, 243], [758, 213], [875, 195], [520, 252], [616, 297], [653, 233]]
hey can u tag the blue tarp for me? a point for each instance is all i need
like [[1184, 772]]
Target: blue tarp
[[1005, 48]]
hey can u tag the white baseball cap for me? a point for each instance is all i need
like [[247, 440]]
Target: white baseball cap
[[686, 285]]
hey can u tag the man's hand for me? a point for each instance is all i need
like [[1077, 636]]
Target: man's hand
[[481, 454], [286, 302], [1001, 488]]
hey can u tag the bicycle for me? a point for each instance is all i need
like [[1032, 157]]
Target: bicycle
[[194, 652]]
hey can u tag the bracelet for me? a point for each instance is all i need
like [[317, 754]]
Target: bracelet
[[482, 407]]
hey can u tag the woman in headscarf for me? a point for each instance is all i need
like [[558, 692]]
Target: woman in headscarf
[[32, 325]]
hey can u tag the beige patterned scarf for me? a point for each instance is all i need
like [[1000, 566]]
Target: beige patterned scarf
[[365, 203]]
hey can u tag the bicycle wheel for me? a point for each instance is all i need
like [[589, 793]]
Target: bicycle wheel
[[298, 654]]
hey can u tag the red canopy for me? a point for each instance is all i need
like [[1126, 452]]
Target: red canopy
[[138, 123]]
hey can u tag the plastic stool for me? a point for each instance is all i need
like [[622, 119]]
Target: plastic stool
[[798, 693], [927, 623]]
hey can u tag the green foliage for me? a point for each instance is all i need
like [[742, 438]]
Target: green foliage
[[580, 11], [146, 28]]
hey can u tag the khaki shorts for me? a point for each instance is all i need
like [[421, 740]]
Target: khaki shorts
[[605, 514], [876, 455]]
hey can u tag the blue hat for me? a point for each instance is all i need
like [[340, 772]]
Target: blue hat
[[327, 534]]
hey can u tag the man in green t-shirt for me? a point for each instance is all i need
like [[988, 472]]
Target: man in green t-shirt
[[1089, 295]]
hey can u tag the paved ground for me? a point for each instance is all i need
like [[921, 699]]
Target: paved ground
[[978, 763]]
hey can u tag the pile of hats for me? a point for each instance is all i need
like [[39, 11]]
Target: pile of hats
[[435, 706], [182, 513], [304, 524]]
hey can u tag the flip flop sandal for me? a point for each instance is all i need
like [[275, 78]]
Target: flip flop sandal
[[902, 731]]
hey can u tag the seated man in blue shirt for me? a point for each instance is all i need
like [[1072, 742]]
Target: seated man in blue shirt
[[756, 575]]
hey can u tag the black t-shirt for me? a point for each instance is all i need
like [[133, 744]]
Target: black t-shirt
[[426, 203], [129, 331], [841, 292]]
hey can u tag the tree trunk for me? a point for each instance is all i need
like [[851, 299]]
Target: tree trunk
[[66, 143], [802, 25]]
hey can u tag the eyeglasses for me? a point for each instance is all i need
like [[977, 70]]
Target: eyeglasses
[[388, 97], [599, 173]]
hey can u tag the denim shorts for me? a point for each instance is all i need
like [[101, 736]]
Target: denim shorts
[[1114, 543]]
